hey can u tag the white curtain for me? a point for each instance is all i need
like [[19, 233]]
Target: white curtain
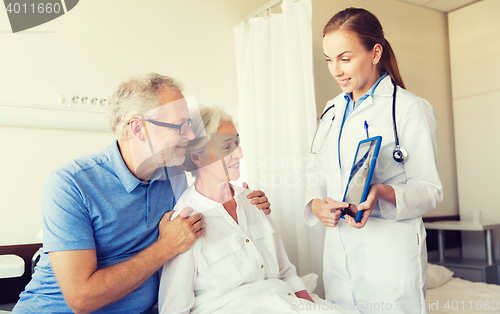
[[277, 120]]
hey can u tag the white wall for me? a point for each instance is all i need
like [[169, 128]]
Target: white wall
[[419, 38], [475, 68], [28, 157], [92, 48]]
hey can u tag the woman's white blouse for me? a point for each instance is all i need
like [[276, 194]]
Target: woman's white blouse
[[228, 255]]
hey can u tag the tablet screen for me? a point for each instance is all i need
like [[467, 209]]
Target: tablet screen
[[361, 173]]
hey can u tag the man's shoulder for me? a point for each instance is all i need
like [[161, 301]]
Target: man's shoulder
[[82, 170], [84, 163]]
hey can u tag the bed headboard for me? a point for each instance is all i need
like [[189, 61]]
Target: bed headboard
[[11, 287]]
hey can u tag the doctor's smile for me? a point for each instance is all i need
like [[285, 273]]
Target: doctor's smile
[[344, 82]]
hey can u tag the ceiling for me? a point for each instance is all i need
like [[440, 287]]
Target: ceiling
[[441, 5]]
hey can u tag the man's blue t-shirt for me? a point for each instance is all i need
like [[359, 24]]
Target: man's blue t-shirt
[[95, 202]]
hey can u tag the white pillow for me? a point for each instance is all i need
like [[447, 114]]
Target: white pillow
[[437, 275]]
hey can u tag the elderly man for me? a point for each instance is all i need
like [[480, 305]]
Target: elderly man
[[107, 227]]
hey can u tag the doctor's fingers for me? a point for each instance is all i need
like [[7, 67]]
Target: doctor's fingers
[[332, 223], [330, 218], [337, 213], [333, 204], [358, 225], [329, 214], [369, 204], [367, 207], [364, 218]]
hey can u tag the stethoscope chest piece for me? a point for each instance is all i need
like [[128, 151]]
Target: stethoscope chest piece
[[400, 154]]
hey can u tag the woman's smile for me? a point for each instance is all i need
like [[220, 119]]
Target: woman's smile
[[344, 82]]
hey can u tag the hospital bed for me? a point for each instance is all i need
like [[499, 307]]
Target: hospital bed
[[445, 293]]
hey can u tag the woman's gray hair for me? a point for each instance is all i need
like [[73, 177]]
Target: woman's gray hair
[[136, 96], [204, 125]]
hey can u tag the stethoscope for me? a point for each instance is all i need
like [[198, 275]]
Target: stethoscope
[[399, 154]]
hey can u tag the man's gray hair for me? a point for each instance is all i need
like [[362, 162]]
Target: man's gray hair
[[135, 97]]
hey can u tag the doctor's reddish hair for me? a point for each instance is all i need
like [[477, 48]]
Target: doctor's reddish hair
[[370, 32]]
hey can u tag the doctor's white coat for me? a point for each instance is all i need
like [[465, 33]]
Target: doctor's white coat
[[382, 267]]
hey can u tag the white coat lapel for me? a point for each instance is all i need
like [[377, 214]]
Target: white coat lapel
[[366, 103], [384, 88], [340, 106]]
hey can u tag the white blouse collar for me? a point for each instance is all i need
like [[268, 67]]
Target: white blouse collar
[[203, 203]]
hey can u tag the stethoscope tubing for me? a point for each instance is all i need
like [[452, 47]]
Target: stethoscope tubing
[[399, 153]]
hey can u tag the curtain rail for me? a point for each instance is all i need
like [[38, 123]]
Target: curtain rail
[[271, 4]]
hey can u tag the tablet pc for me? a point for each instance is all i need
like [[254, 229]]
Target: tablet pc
[[361, 175]]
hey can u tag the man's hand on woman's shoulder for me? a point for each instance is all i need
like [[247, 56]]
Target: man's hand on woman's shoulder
[[259, 199]]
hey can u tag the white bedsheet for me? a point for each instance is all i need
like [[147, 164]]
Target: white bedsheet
[[271, 296], [463, 296]]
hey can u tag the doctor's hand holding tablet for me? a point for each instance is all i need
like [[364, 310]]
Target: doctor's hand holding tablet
[[358, 171]]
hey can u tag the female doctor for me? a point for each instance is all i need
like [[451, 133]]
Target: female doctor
[[379, 264]]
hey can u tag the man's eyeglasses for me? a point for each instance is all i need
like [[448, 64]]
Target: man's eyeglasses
[[181, 127]]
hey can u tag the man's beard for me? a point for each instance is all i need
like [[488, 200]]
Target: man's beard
[[166, 158], [170, 157]]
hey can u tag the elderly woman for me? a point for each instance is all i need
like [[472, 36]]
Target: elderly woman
[[239, 265]]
